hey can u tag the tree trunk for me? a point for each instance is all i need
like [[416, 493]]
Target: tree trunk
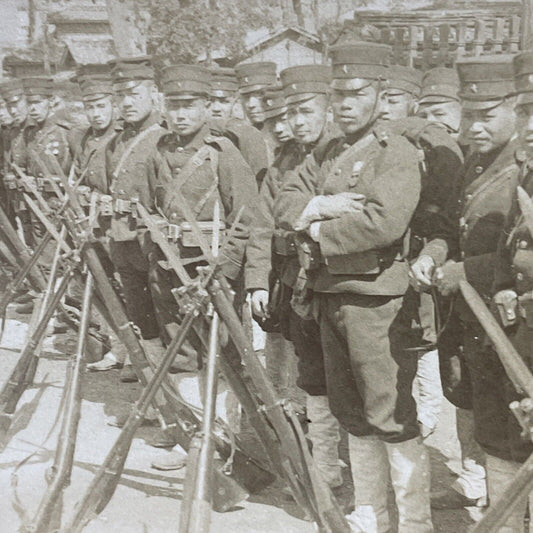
[[288, 16], [129, 21]]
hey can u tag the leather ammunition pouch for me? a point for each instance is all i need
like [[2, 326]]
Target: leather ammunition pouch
[[124, 207], [10, 181], [283, 244], [184, 234], [506, 303]]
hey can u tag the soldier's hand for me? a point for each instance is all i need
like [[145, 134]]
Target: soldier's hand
[[421, 272], [448, 276], [328, 207], [259, 301]]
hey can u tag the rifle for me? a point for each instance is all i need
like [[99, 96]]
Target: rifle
[[195, 516], [283, 453], [48, 515]]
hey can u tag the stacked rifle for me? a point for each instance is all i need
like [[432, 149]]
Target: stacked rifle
[[219, 473]]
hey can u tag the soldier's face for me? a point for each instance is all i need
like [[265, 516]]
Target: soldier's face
[[18, 109], [252, 104], [99, 112], [488, 129], [221, 106], [354, 110], [5, 117], [397, 105], [136, 103], [279, 128], [307, 119], [38, 108], [524, 126], [186, 116], [446, 113]]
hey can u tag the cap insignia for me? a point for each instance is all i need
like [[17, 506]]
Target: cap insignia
[[246, 80], [293, 86], [345, 69], [530, 78], [269, 102], [473, 88]]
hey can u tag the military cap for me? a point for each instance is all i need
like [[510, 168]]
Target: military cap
[[403, 79], [128, 72], [355, 63], [439, 85], [302, 82], [274, 103], [485, 81], [523, 76], [12, 90], [186, 81], [94, 70], [223, 82], [38, 85], [256, 76]]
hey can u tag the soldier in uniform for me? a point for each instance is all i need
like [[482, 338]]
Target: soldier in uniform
[[132, 179], [359, 276], [439, 103], [484, 200], [272, 269], [497, 429], [402, 92], [202, 169], [276, 129], [254, 78], [248, 139]]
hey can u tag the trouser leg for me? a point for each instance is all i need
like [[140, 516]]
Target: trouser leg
[[472, 481], [428, 390], [409, 471], [370, 472], [500, 474], [324, 434]]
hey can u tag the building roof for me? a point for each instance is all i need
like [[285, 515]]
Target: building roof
[[86, 49], [79, 14]]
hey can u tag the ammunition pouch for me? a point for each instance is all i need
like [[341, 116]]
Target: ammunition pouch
[[126, 207], [506, 303], [308, 251], [45, 184], [10, 181], [283, 244], [525, 308]]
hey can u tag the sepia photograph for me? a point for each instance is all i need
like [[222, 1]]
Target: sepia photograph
[[266, 266]]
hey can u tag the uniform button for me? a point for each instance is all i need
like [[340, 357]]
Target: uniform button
[[180, 148], [91, 173], [522, 245], [122, 191], [338, 172], [520, 276], [469, 197], [478, 169], [462, 255]]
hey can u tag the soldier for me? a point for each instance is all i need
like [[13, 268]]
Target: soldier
[[89, 158], [249, 140], [439, 102], [276, 129], [254, 78], [131, 179], [272, 266], [402, 92], [202, 169], [359, 276], [489, 180], [497, 430]]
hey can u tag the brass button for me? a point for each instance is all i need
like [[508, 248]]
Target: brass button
[[478, 169], [520, 276], [469, 197], [522, 245], [338, 172], [180, 148]]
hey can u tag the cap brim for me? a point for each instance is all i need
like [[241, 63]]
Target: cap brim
[[436, 99], [254, 88], [524, 98], [479, 105], [185, 96], [275, 113], [351, 84], [222, 93], [95, 96], [300, 98]]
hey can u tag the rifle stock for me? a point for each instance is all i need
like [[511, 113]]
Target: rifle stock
[[47, 517]]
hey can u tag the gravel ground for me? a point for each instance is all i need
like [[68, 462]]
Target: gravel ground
[[145, 500]]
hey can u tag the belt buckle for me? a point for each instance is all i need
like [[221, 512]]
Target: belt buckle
[[173, 232], [122, 206], [133, 207], [106, 205]]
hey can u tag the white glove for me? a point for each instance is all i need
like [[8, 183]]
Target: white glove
[[259, 301]]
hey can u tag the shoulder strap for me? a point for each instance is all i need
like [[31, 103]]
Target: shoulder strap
[[127, 152]]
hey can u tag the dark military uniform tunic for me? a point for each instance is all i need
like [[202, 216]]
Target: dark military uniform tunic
[[497, 429], [220, 174], [362, 278], [136, 179]]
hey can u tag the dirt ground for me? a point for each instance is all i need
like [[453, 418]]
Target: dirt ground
[[145, 500]]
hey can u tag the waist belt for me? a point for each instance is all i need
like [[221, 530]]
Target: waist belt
[[525, 307], [184, 234]]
